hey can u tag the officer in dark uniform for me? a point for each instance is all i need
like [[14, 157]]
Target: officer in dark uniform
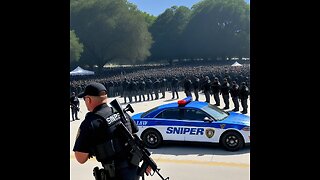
[[125, 87], [156, 87], [234, 92], [243, 96], [215, 87], [196, 87], [97, 136], [225, 90], [111, 88], [206, 87], [135, 89], [74, 105], [149, 89], [130, 90], [163, 87], [187, 87], [174, 87], [141, 89]]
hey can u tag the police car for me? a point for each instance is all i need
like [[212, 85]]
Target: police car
[[194, 121]]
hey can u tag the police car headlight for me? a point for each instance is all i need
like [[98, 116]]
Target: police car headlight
[[247, 128]]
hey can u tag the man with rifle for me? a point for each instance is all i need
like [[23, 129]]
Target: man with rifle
[[99, 136]]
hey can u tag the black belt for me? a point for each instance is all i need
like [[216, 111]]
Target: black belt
[[121, 164]]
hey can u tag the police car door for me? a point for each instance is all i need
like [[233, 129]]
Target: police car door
[[170, 124], [200, 129]]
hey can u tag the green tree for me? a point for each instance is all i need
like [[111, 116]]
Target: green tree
[[166, 32], [218, 28], [111, 31], [76, 47], [149, 18]]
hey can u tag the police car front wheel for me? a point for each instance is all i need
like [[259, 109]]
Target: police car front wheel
[[152, 138], [232, 141]]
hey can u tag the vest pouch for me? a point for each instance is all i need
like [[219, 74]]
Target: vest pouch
[[105, 151]]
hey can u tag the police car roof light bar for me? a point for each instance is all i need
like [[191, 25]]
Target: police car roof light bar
[[185, 101]]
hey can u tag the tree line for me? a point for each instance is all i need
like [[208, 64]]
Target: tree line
[[116, 31]]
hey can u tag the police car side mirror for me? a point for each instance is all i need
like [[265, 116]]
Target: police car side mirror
[[207, 119]]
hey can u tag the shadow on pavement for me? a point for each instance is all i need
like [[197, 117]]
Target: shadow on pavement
[[200, 149]]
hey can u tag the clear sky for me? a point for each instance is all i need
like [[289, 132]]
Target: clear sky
[[156, 7]]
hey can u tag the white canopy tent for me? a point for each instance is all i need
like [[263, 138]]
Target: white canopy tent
[[80, 71], [236, 64]]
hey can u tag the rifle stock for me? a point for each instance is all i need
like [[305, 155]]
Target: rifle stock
[[139, 151]]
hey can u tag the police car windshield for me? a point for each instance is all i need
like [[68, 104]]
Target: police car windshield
[[147, 112], [215, 112]]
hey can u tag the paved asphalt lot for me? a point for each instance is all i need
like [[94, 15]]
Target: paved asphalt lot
[[179, 161]]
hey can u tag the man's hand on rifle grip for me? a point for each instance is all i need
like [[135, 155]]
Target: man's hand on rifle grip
[[148, 171]]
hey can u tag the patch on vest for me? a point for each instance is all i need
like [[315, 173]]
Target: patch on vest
[[113, 118]]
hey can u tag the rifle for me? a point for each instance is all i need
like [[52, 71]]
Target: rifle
[[139, 151]]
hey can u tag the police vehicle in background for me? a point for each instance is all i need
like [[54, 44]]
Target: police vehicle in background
[[193, 121]]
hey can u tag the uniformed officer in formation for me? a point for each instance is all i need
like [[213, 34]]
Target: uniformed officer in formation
[[196, 87], [174, 87], [234, 92], [149, 89], [130, 90], [111, 88], [187, 87], [163, 87], [125, 90], [215, 87], [225, 90], [75, 106], [156, 88], [135, 89], [243, 96], [206, 87], [141, 89], [98, 137]]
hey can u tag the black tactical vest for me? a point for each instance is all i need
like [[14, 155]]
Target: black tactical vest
[[111, 144]]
